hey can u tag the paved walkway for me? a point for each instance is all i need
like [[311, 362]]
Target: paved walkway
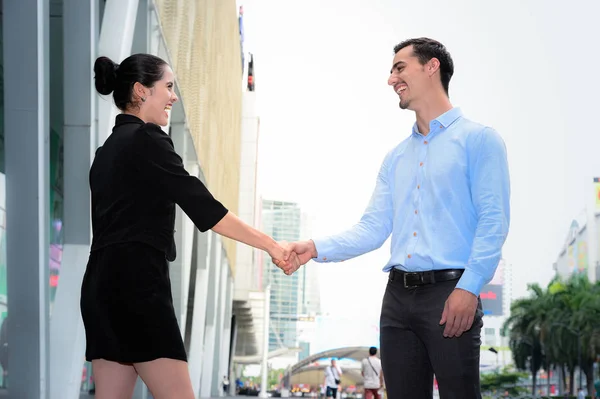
[[4, 394]]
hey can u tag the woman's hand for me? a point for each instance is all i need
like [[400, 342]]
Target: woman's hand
[[286, 259]]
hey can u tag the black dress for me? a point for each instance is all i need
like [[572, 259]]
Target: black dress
[[126, 304]]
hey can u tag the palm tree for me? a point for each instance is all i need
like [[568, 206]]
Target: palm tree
[[524, 337], [585, 306], [556, 341], [557, 327]]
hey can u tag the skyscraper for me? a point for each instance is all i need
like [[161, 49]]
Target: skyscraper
[[282, 220], [311, 293]]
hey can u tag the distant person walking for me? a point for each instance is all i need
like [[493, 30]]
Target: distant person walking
[[225, 385], [372, 374], [333, 378]]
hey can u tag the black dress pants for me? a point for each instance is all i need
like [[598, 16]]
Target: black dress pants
[[413, 347]]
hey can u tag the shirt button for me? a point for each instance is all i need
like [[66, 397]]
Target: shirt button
[[324, 257], [421, 164], [426, 142], [418, 187], [409, 256], [416, 211], [415, 234]]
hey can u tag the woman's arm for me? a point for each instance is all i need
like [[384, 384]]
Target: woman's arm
[[233, 227]]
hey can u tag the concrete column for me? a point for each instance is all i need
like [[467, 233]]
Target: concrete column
[[195, 326], [67, 335], [226, 335], [212, 309], [217, 387], [27, 128], [184, 238], [155, 39], [141, 33], [232, 369], [116, 38]]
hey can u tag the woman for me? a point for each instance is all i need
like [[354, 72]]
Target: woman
[[135, 180]]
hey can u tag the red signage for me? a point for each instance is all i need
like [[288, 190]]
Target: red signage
[[488, 295]]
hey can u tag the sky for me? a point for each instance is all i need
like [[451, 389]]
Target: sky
[[528, 68]]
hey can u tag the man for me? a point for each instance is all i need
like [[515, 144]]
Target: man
[[443, 193], [372, 374], [225, 385], [333, 377]]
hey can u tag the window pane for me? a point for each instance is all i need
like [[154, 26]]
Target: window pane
[[3, 293]]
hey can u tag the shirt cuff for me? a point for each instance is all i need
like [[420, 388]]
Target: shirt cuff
[[471, 281], [324, 247]]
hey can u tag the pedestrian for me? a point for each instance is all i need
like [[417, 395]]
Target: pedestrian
[[333, 379], [372, 374], [225, 385]]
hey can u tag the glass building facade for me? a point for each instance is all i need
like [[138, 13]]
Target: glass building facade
[[3, 283], [55, 186], [51, 122], [282, 221]]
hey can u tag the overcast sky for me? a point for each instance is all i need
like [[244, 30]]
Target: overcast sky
[[528, 68]]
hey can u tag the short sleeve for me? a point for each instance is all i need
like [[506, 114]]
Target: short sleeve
[[162, 168]]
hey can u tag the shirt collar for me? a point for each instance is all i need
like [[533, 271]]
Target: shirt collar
[[123, 119], [448, 117], [445, 120]]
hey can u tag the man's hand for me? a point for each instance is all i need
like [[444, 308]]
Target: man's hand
[[300, 253], [283, 256], [459, 313]]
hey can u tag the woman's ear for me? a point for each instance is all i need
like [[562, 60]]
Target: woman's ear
[[140, 92]]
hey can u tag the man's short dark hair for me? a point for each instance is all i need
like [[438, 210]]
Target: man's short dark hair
[[372, 351], [425, 49]]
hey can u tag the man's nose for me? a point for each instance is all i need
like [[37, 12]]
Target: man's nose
[[392, 80]]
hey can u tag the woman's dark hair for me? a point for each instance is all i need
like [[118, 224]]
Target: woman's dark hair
[[119, 79]]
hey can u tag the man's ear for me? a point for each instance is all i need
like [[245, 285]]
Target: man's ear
[[433, 66]]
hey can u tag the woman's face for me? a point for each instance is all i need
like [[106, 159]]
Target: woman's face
[[159, 99]]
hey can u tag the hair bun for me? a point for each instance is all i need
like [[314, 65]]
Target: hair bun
[[105, 71]]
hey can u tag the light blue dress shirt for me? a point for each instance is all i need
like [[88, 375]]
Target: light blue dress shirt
[[444, 197]]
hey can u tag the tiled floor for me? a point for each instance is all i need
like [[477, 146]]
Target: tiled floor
[[4, 394]]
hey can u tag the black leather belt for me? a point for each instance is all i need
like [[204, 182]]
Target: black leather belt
[[417, 279]]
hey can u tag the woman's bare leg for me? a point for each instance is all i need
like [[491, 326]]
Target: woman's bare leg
[[113, 380], [166, 378]]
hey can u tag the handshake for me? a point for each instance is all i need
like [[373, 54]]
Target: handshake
[[290, 256]]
